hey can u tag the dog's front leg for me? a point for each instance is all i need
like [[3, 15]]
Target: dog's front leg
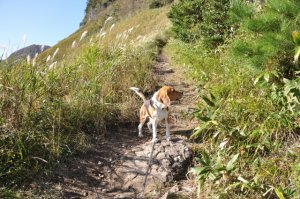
[[140, 127], [168, 136], [154, 126]]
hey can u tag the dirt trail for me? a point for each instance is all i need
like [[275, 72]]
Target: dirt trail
[[88, 175]]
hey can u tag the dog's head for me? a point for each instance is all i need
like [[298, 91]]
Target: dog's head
[[166, 94]]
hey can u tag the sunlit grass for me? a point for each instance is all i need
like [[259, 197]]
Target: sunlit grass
[[51, 104]]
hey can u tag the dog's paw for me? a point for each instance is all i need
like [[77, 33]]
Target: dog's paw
[[140, 135], [156, 140]]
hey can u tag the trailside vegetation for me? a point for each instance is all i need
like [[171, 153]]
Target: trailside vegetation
[[248, 103], [51, 106]]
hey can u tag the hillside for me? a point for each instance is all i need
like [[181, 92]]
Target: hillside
[[30, 51], [68, 121]]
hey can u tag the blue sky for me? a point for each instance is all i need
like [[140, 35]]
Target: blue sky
[[26, 22]]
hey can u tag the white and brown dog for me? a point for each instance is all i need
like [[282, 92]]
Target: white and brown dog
[[157, 109]]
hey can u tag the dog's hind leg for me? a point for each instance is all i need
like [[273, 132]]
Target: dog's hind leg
[[154, 125], [149, 124], [140, 127]]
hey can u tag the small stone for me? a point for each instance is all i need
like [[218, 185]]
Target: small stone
[[124, 195], [176, 165], [160, 156], [103, 183], [175, 189], [99, 162], [104, 190], [165, 163], [85, 193]]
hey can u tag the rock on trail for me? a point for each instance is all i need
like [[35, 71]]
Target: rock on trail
[[170, 162]]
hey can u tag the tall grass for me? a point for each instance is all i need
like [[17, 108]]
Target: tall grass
[[52, 105], [47, 112]]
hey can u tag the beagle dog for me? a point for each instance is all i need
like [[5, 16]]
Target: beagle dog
[[157, 109]]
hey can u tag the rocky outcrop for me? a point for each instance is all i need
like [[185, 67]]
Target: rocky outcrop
[[93, 8], [170, 162]]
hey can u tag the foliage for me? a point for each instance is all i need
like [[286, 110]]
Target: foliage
[[211, 171], [49, 110], [198, 19], [243, 111], [266, 40], [214, 28], [185, 17], [46, 112]]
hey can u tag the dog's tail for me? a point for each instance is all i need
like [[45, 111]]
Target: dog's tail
[[139, 93]]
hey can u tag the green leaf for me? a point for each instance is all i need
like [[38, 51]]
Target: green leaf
[[296, 37], [198, 170], [208, 101], [197, 159], [267, 77], [275, 73], [206, 158], [198, 131], [279, 193], [297, 53], [212, 176], [230, 164], [258, 79]]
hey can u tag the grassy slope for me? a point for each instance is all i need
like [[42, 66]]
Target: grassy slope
[[245, 121], [119, 10], [241, 118], [50, 110]]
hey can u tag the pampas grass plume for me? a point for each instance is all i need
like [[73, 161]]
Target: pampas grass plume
[[28, 59], [53, 65], [73, 44], [83, 35], [48, 58], [55, 53]]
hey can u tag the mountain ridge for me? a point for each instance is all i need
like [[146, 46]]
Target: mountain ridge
[[30, 51]]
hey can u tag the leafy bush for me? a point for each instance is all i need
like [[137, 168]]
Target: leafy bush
[[214, 28], [268, 43], [199, 19], [185, 17]]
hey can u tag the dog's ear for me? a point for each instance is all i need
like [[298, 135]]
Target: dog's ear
[[162, 96]]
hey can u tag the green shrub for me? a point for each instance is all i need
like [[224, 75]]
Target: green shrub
[[199, 19], [214, 27], [239, 11], [185, 17], [268, 42]]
